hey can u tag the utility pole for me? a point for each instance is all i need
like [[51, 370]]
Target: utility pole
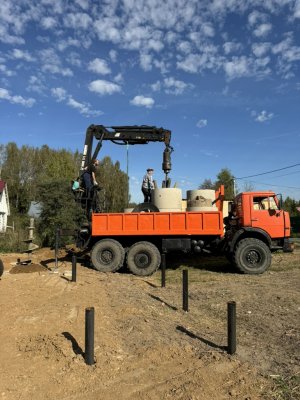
[[127, 171], [234, 187]]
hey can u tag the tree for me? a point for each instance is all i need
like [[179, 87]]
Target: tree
[[248, 187], [225, 178], [59, 210], [207, 184], [291, 206], [114, 183]]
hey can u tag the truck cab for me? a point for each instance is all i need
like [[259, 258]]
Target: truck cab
[[256, 227], [261, 211]]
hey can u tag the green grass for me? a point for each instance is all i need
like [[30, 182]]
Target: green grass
[[286, 388]]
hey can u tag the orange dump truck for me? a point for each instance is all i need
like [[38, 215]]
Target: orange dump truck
[[254, 228]]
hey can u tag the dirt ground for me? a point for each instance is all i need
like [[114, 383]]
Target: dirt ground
[[146, 346]]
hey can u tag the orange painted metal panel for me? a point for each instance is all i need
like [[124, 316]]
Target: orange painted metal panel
[[168, 223]]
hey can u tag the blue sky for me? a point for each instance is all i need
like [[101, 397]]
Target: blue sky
[[222, 75]]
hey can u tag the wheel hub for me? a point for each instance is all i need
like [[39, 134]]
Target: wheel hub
[[106, 256], [253, 257], [142, 260]]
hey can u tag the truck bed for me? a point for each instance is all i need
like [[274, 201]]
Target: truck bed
[[158, 223]]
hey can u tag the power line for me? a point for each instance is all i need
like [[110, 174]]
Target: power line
[[269, 172], [270, 184]]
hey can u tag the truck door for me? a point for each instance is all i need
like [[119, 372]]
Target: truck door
[[265, 214]]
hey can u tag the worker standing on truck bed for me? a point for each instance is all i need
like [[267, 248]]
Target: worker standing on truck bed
[[148, 185], [89, 176]]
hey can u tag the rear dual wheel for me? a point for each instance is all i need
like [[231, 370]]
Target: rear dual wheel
[[107, 255], [143, 258]]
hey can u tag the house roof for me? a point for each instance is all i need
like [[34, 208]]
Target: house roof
[[2, 186]]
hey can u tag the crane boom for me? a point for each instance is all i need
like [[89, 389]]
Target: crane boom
[[122, 135]]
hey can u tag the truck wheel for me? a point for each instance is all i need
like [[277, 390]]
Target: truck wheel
[[252, 256], [143, 258], [1, 267], [107, 255]]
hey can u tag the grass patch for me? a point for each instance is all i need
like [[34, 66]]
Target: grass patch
[[286, 388]]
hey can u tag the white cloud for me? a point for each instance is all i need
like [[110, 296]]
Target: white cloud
[[262, 30], [83, 3], [22, 55], [260, 49], [297, 9], [51, 63], [184, 47], [263, 116], [5, 71], [162, 66], [202, 123], [64, 44], [35, 84], [56, 69], [16, 99], [206, 59], [146, 62], [99, 66], [103, 87], [208, 29], [78, 21], [108, 29], [118, 78], [142, 101], [231, 47], [59, 93], [85, 109], [156, 86], [5, 37], [113, 55], [237, 67], [48, 22], [173, 86], [74, 58], [256, 17]]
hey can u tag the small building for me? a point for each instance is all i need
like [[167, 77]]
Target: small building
[[4, 206]]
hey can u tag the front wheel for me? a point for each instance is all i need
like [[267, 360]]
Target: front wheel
[[143, 258], [252, 256], [107, 255]]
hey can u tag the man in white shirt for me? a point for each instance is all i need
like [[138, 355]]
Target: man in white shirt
[[148, 185]]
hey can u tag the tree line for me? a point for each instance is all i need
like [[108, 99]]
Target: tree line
[[43, 175]]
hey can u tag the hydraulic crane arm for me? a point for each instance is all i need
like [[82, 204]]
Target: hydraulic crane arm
[[123, 135]]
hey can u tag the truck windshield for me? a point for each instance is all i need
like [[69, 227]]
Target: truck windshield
[[265, 203]]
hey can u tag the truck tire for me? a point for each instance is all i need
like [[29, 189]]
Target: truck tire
[[252, 256], [1, 268], [143, 258], [107, 255]]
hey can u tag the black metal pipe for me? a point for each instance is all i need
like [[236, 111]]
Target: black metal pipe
[[89, 335], [57, 244], [231, 327], [163, 270], [185, 290], [74, 268]]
